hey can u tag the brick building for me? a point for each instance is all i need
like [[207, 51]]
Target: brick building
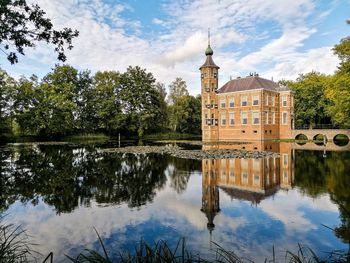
[[249, 108]]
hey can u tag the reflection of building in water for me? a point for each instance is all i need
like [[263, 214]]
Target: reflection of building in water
[[245, 179]]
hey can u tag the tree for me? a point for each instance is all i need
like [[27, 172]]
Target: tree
[[177, 89], [338, 90], [7, 89], [342, 50], [141, 101], [107, 104], [23, 25], [48, 108], [310, 100], [185, 115]]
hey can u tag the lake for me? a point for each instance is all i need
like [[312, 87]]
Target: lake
[[60, 192]]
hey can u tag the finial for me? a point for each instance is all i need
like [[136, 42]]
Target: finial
[[208, 36], [209, 51]]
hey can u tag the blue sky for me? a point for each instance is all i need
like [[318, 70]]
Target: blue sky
[[279, 39]]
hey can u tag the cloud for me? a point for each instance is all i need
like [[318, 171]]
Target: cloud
[[266, 36]]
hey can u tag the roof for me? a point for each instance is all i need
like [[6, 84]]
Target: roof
[[250, 83], [209, 63], [253, 197]]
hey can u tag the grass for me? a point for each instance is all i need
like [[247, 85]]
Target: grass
[[15, 244], [160, 252]]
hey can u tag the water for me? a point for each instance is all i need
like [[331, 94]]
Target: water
[[59, 193]]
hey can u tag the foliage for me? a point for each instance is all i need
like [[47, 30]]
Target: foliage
[[310, 100], [177, 89], [7, 88], [184, 110], [141, 101], [342, 50], [22, 25], [338, 91], [67, 102], [15, 245]]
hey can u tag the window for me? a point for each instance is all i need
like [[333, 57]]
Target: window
[[273, 117], [256, 100], [255, 117], [266, 100], [223, 119], [284, 101], [266, 117], [222, 103], [284, 118], [285, 176], [244, 101], [232, 102], [256, 180], [273, 101], [244, 178], [244, 118], [285, 160], [215, 75], [232, 176], [232, 118]]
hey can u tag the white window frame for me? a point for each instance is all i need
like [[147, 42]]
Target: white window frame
[[231, 102], [222, 103], [284, 101], [284, 121], [255, 98], [266, 115], [244, 99], [253, 118], [246, 118], [223, 120], [231, 114]]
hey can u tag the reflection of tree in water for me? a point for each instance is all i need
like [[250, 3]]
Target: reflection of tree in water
[[180, 173], [316, 175], [65, 177]]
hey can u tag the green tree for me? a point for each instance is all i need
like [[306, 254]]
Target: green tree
[[177, 89], [7, 89], [48, 108], [107, 104], [24, 25], [338, 90], [310, 99], [141, 101]]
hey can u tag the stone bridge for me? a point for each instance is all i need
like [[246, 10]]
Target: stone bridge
[[330, 146], [329, 133]]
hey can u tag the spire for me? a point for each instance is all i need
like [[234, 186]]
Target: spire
[[209, 51], [208, 37]]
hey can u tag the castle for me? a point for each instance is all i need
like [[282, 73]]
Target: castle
[[249, 108]]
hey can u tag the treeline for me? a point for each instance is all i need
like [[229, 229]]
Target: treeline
[[67, 102], [324, 100]]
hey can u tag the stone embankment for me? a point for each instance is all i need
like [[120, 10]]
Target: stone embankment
[[176, 151]]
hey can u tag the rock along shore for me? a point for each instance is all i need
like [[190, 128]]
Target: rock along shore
[[175, 151]]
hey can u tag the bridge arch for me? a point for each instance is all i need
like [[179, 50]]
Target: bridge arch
[[341, 139], [320, 139], [301, 137]]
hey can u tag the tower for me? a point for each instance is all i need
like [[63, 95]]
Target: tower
[[209, 85], [210, 192]]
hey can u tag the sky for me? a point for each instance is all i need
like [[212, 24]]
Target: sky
[[278, 39]]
